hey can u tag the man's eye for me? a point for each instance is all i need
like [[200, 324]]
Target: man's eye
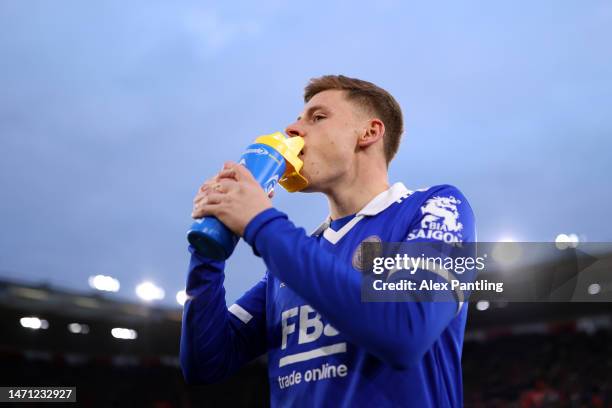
[[316, 118]]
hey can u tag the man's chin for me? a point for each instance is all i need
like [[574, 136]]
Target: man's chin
[[313, 185]]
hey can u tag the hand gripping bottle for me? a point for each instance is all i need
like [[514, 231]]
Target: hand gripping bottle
[[271, 159]]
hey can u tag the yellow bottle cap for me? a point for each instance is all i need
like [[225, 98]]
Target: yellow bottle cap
[[289, 148]]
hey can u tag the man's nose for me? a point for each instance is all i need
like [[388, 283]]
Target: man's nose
[[294, 130]]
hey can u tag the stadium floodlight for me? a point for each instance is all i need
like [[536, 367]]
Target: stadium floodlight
[[482, 305], [594, 288], [104, 283], [78, 328], [573, 240], [148, 291], [506, 251], [181, 297], [564, 241], [124, 334], [34, 323]]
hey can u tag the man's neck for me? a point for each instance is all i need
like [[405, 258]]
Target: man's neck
[[349, 198]]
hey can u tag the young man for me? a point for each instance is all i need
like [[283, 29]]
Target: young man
[[327, 347]]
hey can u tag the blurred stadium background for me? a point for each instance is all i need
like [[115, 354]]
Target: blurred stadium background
[[123, 354]]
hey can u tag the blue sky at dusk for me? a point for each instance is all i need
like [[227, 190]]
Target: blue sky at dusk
[[113, 113]]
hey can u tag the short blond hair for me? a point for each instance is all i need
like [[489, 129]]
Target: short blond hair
[[370, 97]]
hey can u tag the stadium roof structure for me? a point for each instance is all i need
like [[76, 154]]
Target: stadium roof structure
[[43, 298], [157, 329]]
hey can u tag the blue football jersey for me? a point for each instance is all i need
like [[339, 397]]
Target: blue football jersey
[[325, 346]]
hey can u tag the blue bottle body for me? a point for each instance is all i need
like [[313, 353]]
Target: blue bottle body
[[208, 235]]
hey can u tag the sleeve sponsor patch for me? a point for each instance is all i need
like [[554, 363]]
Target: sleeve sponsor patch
[[439, 221]]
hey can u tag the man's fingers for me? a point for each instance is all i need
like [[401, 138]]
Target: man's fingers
[[233, 170], [222, 186], [208, 206], [216, 189], [207, 210], [243, 173], [208, 182], [198, 199], [202, 194], [225, 185], [228, 173], [229, 164]]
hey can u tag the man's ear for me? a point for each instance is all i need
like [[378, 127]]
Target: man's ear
[[373, 132]]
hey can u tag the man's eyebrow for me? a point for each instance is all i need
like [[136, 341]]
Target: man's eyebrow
[[312, 109]]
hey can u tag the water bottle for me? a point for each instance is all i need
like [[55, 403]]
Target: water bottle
[[271, 159]]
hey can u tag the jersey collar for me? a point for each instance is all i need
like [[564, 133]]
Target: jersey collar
[[377, 205]]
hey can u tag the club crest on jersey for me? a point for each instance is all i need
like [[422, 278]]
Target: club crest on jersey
[[440, 221], [357, 255]]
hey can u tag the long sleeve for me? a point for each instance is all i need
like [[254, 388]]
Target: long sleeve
[[217, 341], [398, 333]]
